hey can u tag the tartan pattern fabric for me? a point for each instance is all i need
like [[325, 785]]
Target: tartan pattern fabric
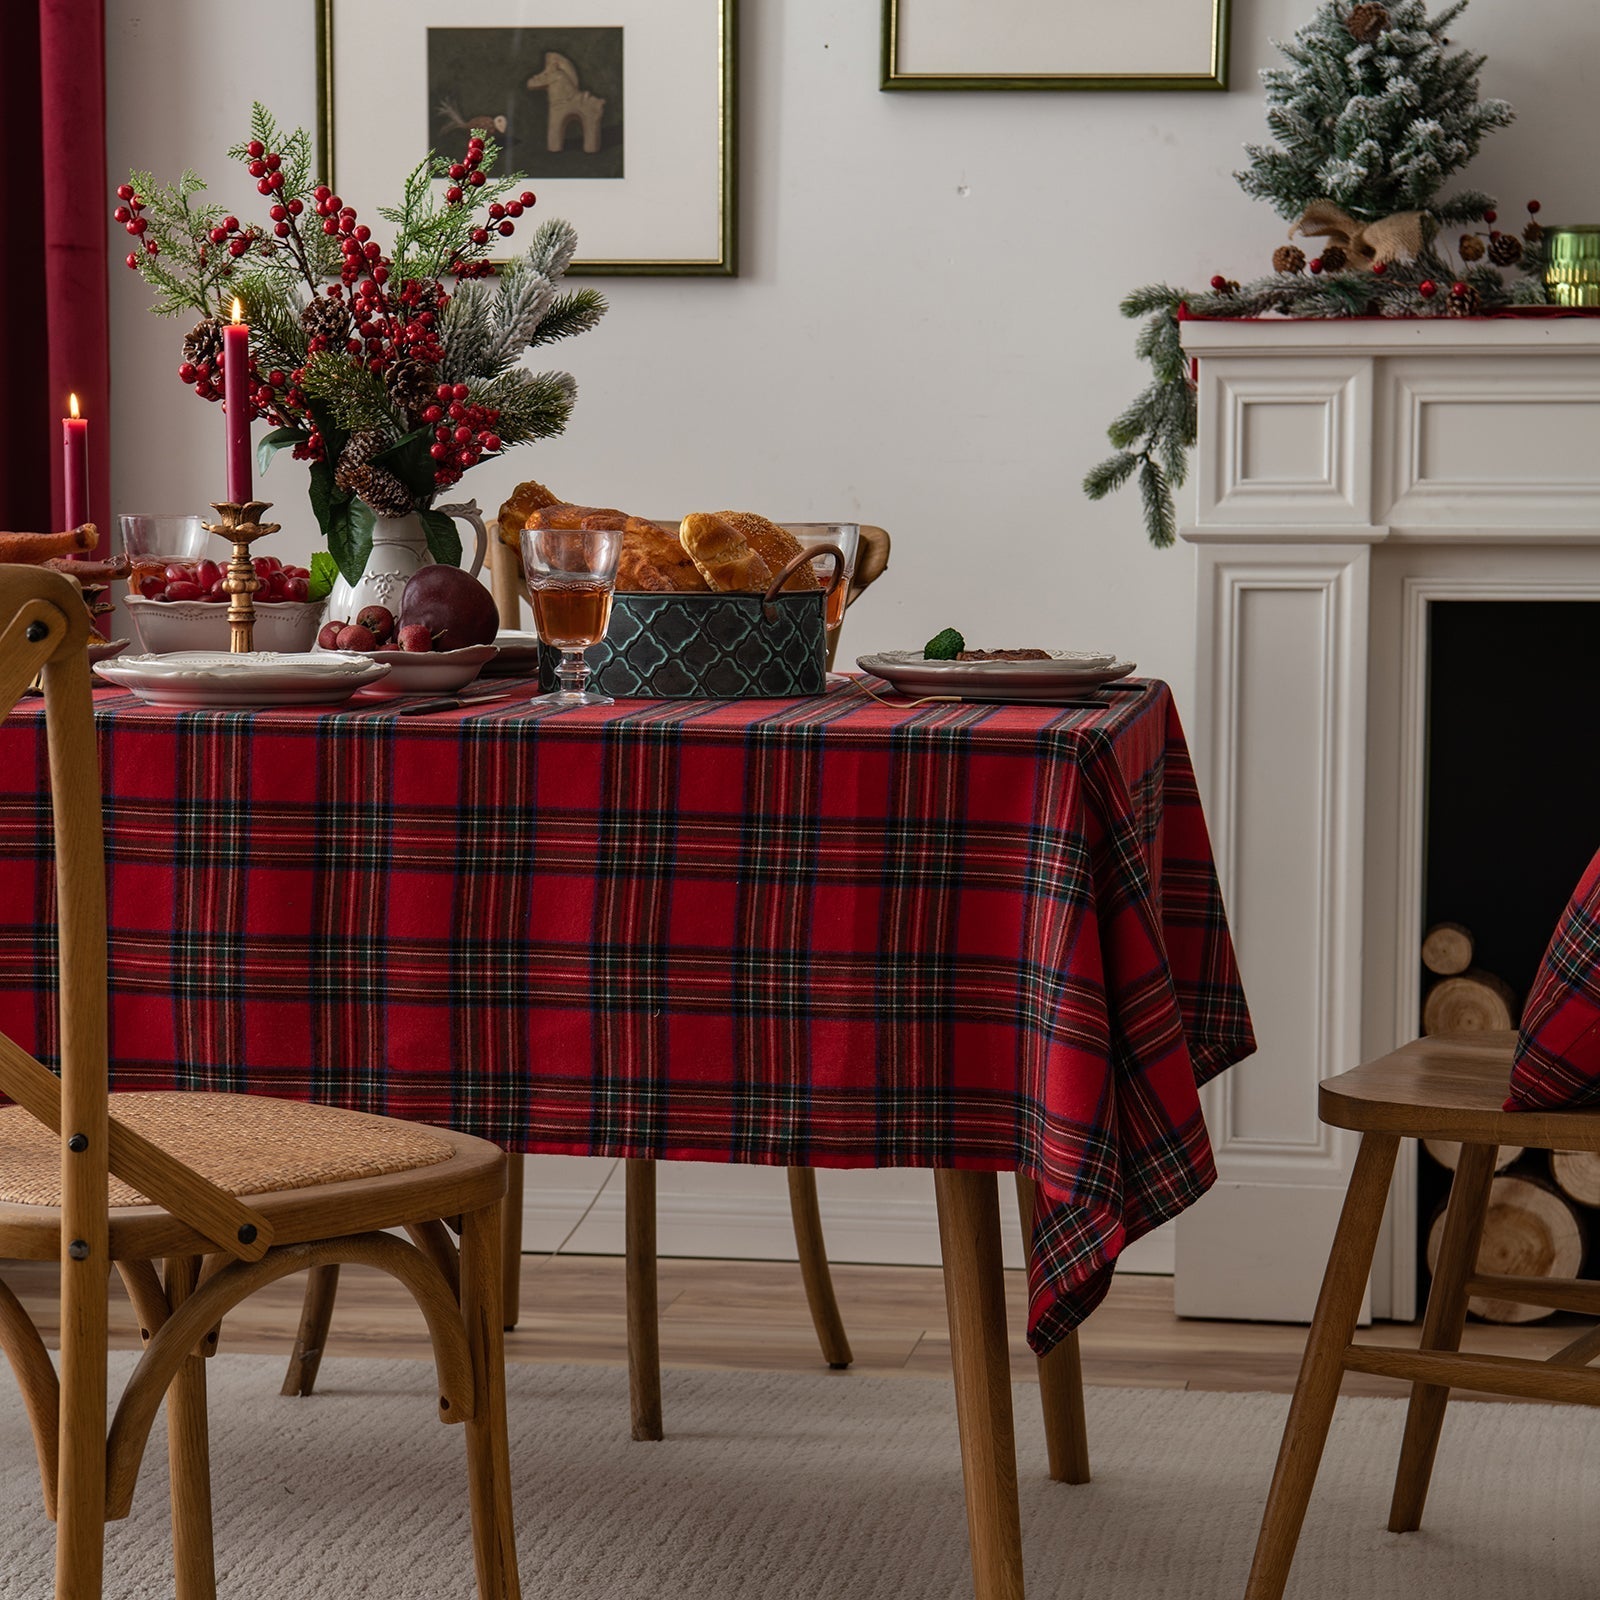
[[1557, 1062], [826, 931]]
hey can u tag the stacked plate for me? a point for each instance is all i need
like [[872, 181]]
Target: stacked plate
[[195, 680], [1062, 675]]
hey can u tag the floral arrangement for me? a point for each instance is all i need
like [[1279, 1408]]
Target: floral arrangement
[[1373, 114], [391, 370]]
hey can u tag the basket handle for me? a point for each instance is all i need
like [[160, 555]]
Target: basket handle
[[793, 565]]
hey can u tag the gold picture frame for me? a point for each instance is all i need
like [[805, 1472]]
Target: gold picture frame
[[1209, 74], [720, 259]]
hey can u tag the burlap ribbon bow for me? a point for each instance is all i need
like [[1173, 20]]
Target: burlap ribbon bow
[[1397, 238]]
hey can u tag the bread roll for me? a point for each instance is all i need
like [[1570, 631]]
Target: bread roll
[[722, 554], [653, 559], [525, 499], [776, 546]]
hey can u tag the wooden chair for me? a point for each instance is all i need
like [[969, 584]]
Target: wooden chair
[[242, 1190], [1445, 1087]]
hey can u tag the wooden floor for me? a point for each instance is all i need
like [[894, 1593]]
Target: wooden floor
[[752, 1314]]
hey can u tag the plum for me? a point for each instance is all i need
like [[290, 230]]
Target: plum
[[452, 604]]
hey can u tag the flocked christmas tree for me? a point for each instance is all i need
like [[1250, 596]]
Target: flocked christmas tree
[[1373, 114]]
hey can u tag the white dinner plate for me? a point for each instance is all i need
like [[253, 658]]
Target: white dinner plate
[[518, 657], [1065, 674], [197, 680]]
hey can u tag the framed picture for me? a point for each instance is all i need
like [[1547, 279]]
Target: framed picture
[[1069, 44], [621, 112]]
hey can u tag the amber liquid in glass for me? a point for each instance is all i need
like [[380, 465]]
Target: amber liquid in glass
[[835, 603], [571, 615]]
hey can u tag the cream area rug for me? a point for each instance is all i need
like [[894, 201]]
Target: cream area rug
[[831, 1487]]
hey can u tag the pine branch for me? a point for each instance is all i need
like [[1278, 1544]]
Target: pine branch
[[570, 315], [356, 397], [531, 405]]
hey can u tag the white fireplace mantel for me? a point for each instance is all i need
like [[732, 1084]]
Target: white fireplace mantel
[[1349, 474]]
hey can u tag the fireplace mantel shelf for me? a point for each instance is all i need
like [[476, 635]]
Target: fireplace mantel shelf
[[1350, 474], [1361, 431]]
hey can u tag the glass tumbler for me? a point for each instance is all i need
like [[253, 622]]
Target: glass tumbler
[[572, 575], [152, 540]]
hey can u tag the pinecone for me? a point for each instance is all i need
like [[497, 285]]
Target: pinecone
[[412, 385], [1533, 233], [1505, 249], [1335, 258], [1465, 301], [203, 342], [325, 319], [1366, 22], [1471, 247], [380, 489], [1288, 258]]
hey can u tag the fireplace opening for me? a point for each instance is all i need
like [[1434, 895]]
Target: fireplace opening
[[1512, 817]]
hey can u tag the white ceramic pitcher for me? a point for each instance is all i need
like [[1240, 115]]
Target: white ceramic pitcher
[[399, 549]]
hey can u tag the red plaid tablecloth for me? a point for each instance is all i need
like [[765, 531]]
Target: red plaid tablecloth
[[824, 932]]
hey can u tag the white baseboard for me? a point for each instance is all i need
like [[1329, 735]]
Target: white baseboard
[[879, 1229]]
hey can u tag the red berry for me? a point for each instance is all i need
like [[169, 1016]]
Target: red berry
[[445, 391], [514, 208], [255, 149], [122, 214], [296, 207], [363, 233], [1380, 267], [490, 442], [264, 186], [452, 195], [151, 248], [237, 247], [217, 235], [274, 160], [480, 236], [1533, 206], [187, 371], [330, 226], [477, 180], [527, 197], [439, 452], [507, 228], [321, 192], [1427, 288], [496, 211], [457, 170], [463, 434], [281, 229], [1491, 216], [1218, 282], [278, 213], [459, 391], [124, 191], [132, 258], [256, 168], [1315, 263]]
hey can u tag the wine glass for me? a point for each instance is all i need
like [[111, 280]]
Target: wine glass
[[847, 536], [572, 573]]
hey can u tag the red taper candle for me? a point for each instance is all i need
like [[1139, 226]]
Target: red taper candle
[[75, 466], [236, 399]]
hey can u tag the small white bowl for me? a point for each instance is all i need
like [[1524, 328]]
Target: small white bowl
[[285, 627], [428, 671]]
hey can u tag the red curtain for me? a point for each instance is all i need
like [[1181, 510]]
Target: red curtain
[[53, 282]]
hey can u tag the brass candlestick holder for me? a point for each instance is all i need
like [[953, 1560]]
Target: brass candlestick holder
[[241, 525]]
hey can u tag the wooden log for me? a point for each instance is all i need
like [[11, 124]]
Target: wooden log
[[1447, 949], [1448, 1153], [1577, 1172], [1474, 1001], [1530, 1232]]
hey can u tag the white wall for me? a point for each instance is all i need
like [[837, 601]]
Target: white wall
[[925, 331]]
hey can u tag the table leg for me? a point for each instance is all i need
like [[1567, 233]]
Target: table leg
[[969, 1235], [1066, 1432], [511, 1242], [644, 1316]]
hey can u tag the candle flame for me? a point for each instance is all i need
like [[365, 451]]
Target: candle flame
[[72, 401], [238, 310]]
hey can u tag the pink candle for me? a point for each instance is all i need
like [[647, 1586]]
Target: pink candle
[[236, 401], [75, 466]]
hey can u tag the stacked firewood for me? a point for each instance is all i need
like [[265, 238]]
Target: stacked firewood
[[1539, 1200]]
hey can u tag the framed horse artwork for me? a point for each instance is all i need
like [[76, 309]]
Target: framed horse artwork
[[621, 113]]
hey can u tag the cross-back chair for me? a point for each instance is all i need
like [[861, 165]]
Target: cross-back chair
[[1445, 1087], [230, 1192]]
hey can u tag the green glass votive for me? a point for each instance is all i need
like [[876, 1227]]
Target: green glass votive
[[1572, 265]]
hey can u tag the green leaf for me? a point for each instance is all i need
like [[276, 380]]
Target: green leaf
[[324, 569], [410, 462], [945, 645], [444, 543], [275, 441], [324, 495], [362, 518]]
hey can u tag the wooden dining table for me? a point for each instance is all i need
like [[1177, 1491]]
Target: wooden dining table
[[830, 931]]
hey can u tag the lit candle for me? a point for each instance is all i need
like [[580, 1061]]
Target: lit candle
[[236, 400], [75, 466]]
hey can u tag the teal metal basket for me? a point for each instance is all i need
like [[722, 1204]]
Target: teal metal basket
[[713, 646]]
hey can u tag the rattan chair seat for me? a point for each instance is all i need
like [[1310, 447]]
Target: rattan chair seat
[[245, 1144]]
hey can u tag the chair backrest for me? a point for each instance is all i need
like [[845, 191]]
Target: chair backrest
[[44, 633]]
